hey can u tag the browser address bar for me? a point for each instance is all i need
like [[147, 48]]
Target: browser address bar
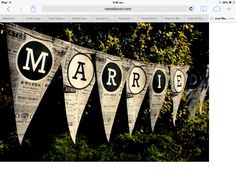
[[78, 9]]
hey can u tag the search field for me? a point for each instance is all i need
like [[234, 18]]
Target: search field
[[142, 9]]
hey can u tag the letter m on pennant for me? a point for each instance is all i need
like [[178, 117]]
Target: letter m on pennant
[[30, 57]]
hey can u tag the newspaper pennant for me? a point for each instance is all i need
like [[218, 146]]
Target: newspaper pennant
[[33, 59], [136, 86], [178, 82], [157, 91], [110, 79], [205, 86], [194, 87], [78, 81]]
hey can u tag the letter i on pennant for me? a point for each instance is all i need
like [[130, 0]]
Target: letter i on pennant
[[157, 91]]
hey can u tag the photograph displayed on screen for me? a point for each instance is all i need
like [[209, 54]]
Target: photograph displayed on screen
[[104, 91]]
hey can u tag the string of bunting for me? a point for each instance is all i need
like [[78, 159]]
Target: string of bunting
[[34, 59]]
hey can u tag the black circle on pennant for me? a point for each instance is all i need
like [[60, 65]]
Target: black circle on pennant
[[193, 81], [159, 81], [111, 77], [34, 60]]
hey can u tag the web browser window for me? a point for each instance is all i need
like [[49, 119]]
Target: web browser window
[[117, 81]]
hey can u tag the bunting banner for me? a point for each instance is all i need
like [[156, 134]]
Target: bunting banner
[[157, 91], [78, 81], [136, 87], [205, 86], [33, 59], [178, 82], [111, 79]]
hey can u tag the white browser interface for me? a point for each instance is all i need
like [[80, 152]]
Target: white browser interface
[[117, 11], [104, 70]]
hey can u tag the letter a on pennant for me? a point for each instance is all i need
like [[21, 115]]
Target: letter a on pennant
[[78, 81], [32, 69]]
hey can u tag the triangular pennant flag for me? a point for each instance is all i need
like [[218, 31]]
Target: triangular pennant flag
[[110, 78], [205, 86], [78, 81], [157, 91], [136, 86], [33, 59], [178, 82], [194, 87], [193, 93]]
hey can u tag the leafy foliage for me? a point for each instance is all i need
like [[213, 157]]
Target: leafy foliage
[[159, 43]]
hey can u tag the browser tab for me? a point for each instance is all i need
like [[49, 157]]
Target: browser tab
[[197, 18], [35, 18], [175, 18], [57, 18], [126, 18], [150, 18], [81, 18], [10, 18], [104, 18]]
